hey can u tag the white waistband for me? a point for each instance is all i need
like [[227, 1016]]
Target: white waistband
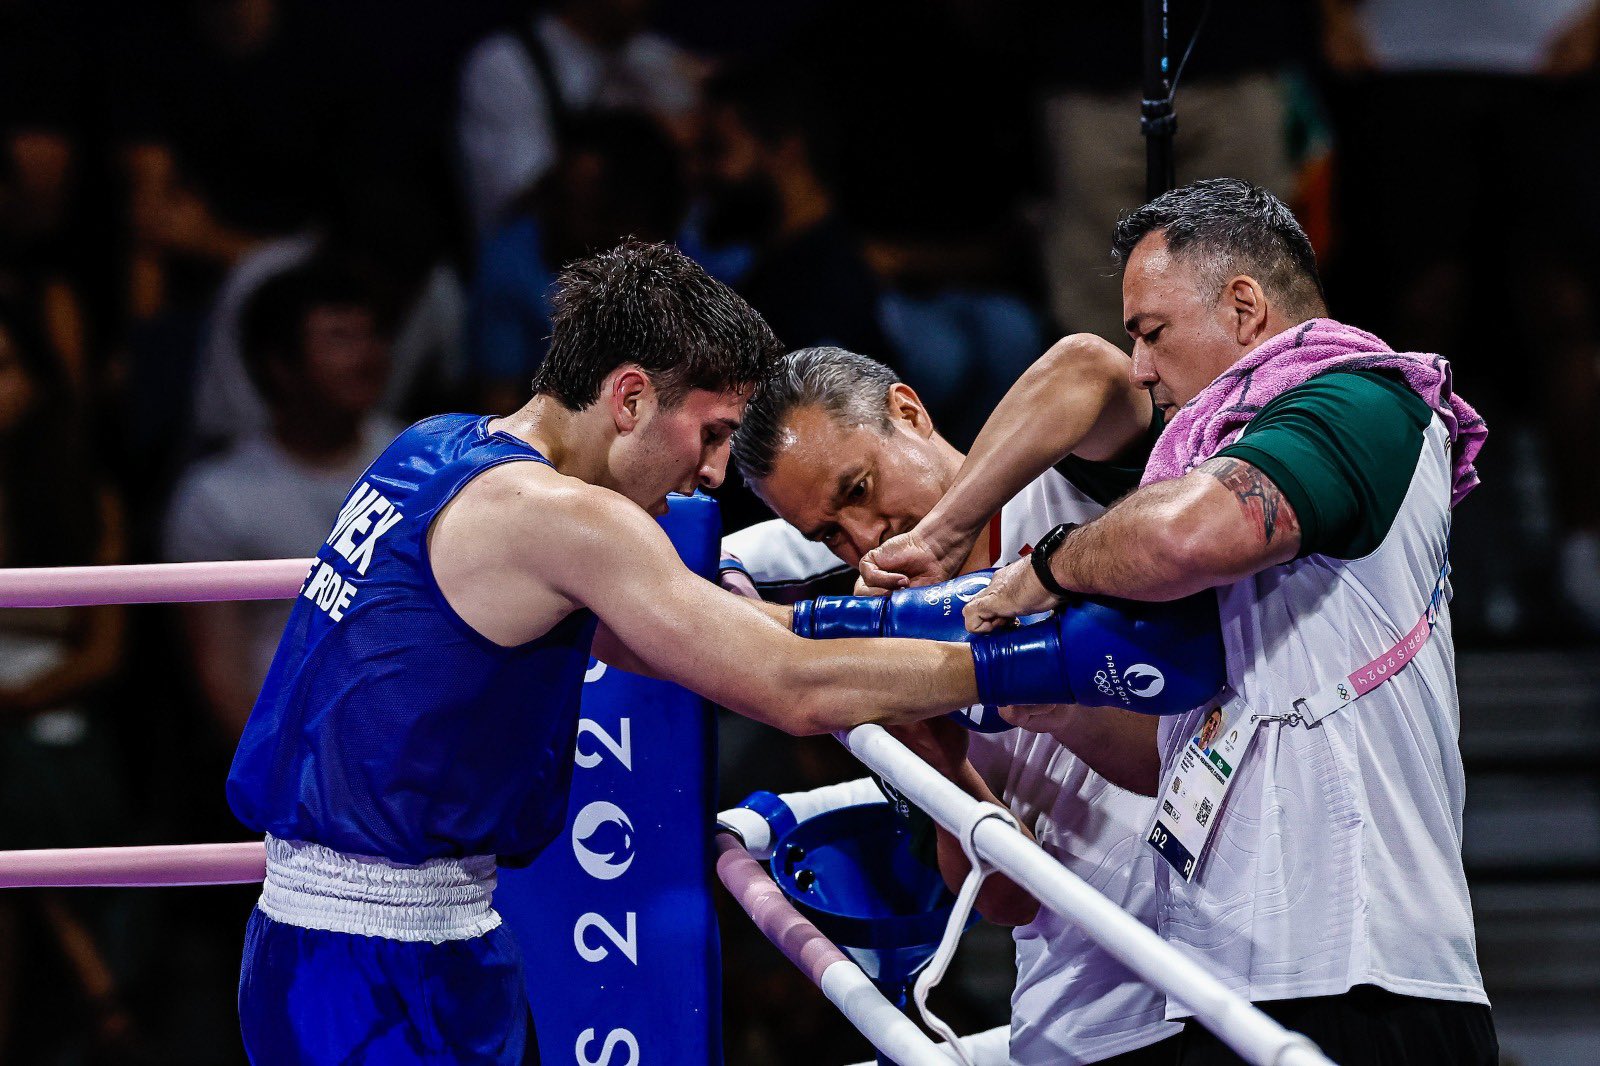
[[314, 887]]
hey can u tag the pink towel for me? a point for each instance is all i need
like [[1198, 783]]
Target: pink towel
[[1292, 358]]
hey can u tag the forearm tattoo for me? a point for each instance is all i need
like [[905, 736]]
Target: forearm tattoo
[[1256, 493]]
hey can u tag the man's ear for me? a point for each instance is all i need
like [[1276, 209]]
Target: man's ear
[[1247, 303], [905, 408], [627, 390]]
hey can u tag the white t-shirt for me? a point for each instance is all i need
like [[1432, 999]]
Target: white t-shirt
[[1073, 1003], [256, 501], [227, 404], [1336, 857]]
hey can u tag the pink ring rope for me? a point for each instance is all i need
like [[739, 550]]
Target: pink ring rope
[[805, 945], [214, 864], [89, 586], [141, 867]]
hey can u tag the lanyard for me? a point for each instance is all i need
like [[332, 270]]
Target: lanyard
[[1309, 710]]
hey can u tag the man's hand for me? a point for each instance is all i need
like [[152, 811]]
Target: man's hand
[[1040, 717], [1014, 592], [914, 558]]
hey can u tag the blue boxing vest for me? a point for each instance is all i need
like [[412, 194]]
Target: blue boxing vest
[[388, 726]]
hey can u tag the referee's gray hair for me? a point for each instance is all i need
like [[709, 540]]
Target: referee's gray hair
[[853, 390]]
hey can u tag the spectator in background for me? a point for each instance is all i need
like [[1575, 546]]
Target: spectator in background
[[216, 123], [762, 173], [312, 345], [59, 776], [931, 102], [618, 175], [43, 115], [1232, 119], [521, 88], [378, 225], [1488, 112], [764, 167]]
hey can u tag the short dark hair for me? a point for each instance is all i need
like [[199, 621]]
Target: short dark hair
[[653, 306], [272, 324], [1234, 227], [853, 390]]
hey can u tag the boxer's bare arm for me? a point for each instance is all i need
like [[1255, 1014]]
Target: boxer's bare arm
[[1078, 399], [524, 546]]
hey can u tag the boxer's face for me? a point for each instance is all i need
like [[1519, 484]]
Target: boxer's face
[[1182, 336], [677, 447], [853, 487]]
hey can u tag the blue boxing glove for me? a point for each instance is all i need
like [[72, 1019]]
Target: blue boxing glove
[[1155, 658], [929, 613]]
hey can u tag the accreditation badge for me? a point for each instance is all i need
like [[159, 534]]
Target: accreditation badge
[[1191, 796]]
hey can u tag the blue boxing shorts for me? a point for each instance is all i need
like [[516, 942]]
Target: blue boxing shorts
[[357, 960]]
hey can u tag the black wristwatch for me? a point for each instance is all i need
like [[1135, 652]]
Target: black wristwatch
[[1040, 558]]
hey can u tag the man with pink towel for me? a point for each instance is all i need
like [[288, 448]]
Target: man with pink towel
[[1308, 472]]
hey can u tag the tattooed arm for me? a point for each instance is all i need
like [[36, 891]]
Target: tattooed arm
[[1223, 522]]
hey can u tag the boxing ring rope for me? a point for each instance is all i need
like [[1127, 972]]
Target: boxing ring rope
[[93, 586], [153, 866], [841, 980], [1256, 1037], [1247, 1030]]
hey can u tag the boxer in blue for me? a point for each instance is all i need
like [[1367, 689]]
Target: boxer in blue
[[418, 724]]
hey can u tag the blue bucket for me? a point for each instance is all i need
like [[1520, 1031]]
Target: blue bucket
[[851, 871]]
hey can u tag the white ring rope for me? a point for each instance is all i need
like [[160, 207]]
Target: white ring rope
[[1239, 1024]]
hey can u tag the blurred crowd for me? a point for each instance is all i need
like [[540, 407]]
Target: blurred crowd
[[243, 242]]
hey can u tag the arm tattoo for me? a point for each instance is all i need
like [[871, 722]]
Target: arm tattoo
[[1260, 498]]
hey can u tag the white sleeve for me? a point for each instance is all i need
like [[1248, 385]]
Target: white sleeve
[[783, 565], [506, 137]]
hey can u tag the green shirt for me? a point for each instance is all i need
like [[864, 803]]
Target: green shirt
[[1342, 448]]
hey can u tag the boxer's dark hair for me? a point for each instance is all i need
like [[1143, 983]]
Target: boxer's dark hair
[[652, 306], [1232, 227], [853, 390]]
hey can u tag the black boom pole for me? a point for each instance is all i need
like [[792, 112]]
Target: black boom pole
[[1156, 120]]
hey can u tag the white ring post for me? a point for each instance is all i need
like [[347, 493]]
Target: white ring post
[[1235, 1021]]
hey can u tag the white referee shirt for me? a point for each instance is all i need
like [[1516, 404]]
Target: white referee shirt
[[1073, 1003]]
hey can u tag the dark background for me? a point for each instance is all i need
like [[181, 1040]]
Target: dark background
[[931, 182]]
